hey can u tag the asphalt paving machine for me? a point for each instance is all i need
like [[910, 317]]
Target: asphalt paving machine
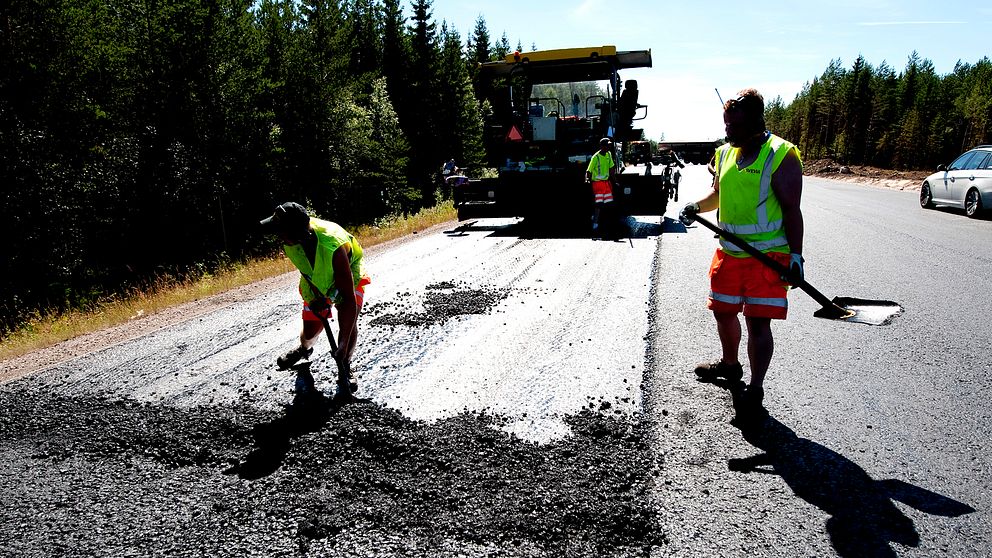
[[549, 109]]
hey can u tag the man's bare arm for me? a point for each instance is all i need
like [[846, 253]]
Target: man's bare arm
[[787, 183]]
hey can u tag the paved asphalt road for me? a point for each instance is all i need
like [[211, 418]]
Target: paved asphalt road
[[875, 443], [877, 435]]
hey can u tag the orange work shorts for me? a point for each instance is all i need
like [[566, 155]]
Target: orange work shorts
[[602, 192], [311, 316], [745, 284]]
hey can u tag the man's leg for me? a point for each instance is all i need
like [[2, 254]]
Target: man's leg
[[354, 341], [308, 336], [728, 326], [760, 347], [311, 331], [354, 333]]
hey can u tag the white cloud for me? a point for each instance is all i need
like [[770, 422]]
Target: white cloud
[[882, 23]]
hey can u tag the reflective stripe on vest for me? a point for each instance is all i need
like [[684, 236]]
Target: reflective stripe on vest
[[757, 213]]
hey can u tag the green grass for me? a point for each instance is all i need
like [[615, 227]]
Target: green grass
[[44, 331]]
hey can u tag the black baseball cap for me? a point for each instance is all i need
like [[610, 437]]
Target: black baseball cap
[[288, 217]]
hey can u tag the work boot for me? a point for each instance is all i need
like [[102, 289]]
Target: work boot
[[750, 413], [349, 391], [720, 369], [751, 398], [293, 356]]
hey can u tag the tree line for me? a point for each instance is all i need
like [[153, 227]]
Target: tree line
[[870, 115], [142, 138]]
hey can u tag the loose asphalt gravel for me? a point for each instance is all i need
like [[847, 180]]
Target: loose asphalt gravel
[[118, 478]]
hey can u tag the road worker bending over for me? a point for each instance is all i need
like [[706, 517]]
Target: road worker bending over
[[330, 262]]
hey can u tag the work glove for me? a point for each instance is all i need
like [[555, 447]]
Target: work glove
[[688, 214], [318, 305], [796, 273]]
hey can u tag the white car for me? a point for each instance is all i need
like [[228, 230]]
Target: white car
[[965, 183]]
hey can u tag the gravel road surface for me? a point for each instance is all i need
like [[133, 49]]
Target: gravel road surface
[[527, 391]]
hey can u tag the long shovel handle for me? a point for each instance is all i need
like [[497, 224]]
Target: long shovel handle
[[344, 371], [342, 362], [765, 259]]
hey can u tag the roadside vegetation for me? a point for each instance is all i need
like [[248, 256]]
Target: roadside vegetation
[[45, 330]]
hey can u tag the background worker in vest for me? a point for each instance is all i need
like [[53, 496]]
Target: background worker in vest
[[330, 261], [599, 173], [671, 174], [757, 186]]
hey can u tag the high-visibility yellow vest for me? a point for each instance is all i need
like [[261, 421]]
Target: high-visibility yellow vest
[[748, 206], [600, 165], [330, 237]]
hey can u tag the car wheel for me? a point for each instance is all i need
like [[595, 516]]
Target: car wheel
[[926, 196], [973, 203]]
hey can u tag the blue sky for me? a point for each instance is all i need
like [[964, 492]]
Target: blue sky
[[698, 46]]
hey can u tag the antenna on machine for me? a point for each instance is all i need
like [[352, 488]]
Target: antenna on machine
[[718, 96]]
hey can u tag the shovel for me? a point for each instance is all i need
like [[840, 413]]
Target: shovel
[[344, 368], [848, 309]]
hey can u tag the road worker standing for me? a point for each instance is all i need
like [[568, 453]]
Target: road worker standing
[[757, 187]]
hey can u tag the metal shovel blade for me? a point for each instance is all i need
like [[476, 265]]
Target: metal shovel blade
[[860, 310], [841, 308]]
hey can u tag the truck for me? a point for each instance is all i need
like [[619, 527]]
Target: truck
[[696, 152], [548, 111], [639, 152]]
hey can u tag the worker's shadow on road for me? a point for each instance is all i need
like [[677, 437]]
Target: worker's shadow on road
[[863, 517], [310, 410]]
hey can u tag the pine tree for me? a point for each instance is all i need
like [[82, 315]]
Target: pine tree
[[425, 90], [480, 41], [366, 39], [460, 119], [501, 49], [856, 111], [396, 59]]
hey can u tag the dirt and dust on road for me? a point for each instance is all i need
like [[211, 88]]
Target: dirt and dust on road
[[868, 175]]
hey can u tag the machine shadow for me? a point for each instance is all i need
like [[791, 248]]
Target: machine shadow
[[310, 410], [629, 227], [864, 520]]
